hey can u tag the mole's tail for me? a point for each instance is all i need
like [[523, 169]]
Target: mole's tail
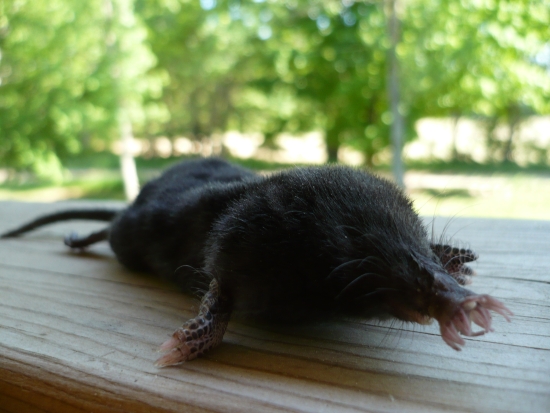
[[87, 214]]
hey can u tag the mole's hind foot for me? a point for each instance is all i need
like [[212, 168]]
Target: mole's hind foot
[[199, 334], [74, 241]]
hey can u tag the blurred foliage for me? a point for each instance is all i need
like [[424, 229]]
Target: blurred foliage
[[487, 59], [332, 56], [70, 69], [66, 66]]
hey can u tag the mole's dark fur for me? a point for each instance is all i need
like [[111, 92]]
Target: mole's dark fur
[[301, 244]]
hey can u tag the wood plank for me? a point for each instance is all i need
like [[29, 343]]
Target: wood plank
[[78, 333]]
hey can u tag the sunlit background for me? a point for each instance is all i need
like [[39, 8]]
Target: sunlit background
[[271, 84]]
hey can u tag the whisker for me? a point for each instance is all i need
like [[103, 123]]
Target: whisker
[[360, 262], [342, 266], [376, 292], [355, 281], [199, 271], [349, 227], [433, 229]]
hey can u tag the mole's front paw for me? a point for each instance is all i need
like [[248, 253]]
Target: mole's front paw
[[476, 309], [454, 261], [197, 335]]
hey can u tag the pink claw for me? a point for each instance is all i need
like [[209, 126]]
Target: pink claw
[[176, 351], [169, 344], [176, 356], [477, 309]]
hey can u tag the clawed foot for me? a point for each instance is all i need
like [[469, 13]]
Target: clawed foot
[[454, 259], [199, 334], [474, 309], [74, 241]]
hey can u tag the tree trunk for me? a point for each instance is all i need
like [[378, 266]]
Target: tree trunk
[[127, 162], [456, 118], [491, 142], [332, 141], [397, 125], [369, 156], [513, 122], [332, 153]]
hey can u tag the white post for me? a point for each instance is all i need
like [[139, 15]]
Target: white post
[[127, 162]]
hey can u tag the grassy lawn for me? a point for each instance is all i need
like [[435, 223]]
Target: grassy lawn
[[491, 191], [516, 196], [97, 176]]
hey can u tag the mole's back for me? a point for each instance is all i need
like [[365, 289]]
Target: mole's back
[[168, 223]]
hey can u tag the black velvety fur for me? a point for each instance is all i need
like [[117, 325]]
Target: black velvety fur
[[296, 245], [168, 224]]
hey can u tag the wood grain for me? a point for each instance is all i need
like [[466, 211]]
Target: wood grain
[[78, 333]]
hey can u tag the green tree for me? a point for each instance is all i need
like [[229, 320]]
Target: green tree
[[58, 77], [274, 67], [333, 55], [470, 58], [215, 63]]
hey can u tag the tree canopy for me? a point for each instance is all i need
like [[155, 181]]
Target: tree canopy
[[181, 67], [65, 68]]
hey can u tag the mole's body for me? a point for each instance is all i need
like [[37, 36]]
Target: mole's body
[[298, 245]]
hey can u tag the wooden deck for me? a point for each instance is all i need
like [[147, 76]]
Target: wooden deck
[[78, 333]]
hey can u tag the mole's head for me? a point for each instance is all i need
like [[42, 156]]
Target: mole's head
[[419, 287]]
